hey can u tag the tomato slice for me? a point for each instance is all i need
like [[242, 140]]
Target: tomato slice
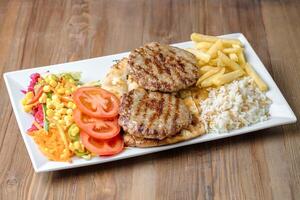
[[96, 127], [96, 102], [102, 147]]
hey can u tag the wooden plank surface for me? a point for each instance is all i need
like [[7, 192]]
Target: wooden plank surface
[[260, 165]]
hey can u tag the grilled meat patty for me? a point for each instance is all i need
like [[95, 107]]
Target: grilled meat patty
[[152, 115], [159, 67]]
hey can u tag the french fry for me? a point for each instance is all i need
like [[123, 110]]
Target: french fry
[[226, 78], [205, 69], [228, 62], [203, 45], [212, 51], [241, 58], [196, 37], [231, 50], [207, 75], [201, 55], [210, 81], [237, 46], [260, 83], [213, 62], [220, 63], [233, 57], [201, 63]]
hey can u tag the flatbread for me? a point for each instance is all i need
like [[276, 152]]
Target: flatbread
[[116, 81]]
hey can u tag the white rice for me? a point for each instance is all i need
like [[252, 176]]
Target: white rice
[[234, 106]]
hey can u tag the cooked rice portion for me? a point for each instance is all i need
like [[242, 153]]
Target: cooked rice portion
[[234, 106]]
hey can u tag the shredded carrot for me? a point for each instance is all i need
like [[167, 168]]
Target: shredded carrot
[[66, 99], [37, 125], [51, 144]]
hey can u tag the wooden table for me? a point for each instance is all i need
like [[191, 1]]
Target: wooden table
[[260, 165]]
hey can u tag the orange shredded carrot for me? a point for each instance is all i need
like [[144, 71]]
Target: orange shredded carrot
[[51, 145], [37, 125]]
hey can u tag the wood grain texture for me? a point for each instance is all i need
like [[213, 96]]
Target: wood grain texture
[[260, 165]]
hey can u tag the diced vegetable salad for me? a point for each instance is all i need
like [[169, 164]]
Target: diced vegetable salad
[[50, 102], [71, 118]]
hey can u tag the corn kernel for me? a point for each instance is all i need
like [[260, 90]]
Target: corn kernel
[[61, 122], [48, 101], [70, 105], [68, 92], [57, 114], [27, 108], [87, 157], [56, 118], [53, 83], [73, 89], [61, 91], [71, 80], [52, 125], [68, 118], [60, 105], [29, 95], [55, 97], [62, 111], [71, 147], [74, 106], [50, 113], [69, 111], [46, 88], [52, 77], [43, 98], [50, 106], [76, 145], [75, 130], [24, 101]]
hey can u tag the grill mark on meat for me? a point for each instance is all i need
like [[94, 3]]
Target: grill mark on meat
[[156, 115], [140, 105], [178, 73], [149, 73], [135, 106], [167, 110], [143, 113], [176, 109], [172, 114]]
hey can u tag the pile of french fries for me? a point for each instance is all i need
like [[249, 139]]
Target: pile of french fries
[[221, 61]]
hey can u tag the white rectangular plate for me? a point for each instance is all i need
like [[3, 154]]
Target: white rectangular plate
[[95, 69]]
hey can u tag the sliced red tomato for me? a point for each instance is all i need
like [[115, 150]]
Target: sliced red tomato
[[96, 127], [36, 96], [96, 102], [102, 147]]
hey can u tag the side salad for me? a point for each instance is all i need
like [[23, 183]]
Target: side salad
[[72, 118]]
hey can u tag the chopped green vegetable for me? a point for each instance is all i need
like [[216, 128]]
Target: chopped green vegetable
[[46, 122], [93, 83], [71, 75], [73, 132], [49, 94]]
